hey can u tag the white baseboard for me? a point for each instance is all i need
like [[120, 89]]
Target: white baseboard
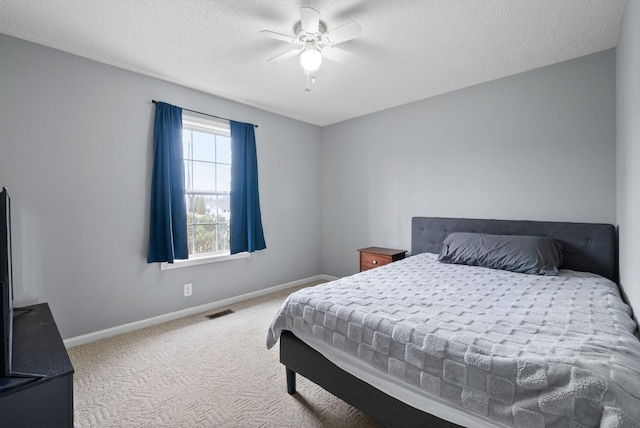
[[126, 328]]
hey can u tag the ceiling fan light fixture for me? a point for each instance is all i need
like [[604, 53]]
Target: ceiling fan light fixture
[[310, 59]]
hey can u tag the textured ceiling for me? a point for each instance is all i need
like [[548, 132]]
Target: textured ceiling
[[409, 49]]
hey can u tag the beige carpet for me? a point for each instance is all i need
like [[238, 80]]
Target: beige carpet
[[197, 372]]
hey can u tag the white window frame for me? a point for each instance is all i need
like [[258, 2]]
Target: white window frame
[[201, 260], [197, 122]]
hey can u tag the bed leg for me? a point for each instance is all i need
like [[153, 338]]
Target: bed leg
[[291, 381]]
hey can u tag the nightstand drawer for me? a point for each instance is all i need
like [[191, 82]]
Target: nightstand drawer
[[371, 260], [372, 257]]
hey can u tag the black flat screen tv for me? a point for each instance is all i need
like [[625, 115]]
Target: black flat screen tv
[[6, 283]]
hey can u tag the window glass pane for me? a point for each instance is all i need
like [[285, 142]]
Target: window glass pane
[[186, 144], [224, 208], [208, 224], [204, 146], [204, 176], [223, 237], [213, 207], [210, 204], [190, 238], [202, 238], [191, 208], [198, 209], [223, 178], [188, 175], [218, 208], [223, 149]]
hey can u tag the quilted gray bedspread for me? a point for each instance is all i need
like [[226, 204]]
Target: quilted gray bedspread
[[524, 350]]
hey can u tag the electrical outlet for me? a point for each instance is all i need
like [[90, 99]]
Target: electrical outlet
[[188, 290]]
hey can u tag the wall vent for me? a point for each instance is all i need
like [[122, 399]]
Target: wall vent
[[220, 314]]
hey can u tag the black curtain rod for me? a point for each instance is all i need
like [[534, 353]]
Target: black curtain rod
[[199, 112]]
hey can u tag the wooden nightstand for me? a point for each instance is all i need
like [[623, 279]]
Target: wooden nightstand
[[376, 256]]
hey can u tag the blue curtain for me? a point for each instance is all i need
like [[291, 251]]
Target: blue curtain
[[168, 231], [245, 224]]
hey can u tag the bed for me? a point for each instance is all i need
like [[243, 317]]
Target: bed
[[491, 348]]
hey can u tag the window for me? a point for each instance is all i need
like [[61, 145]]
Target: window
[[205, 212], [207, 169]]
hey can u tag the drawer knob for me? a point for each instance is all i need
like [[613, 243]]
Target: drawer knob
[[375, 262]]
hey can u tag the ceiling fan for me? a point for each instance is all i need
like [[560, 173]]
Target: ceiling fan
[[313, 41]]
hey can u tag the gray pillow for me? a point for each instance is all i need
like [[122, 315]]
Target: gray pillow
[[525, 254]]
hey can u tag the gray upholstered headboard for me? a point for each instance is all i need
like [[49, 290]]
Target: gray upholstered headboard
[[587, 247]]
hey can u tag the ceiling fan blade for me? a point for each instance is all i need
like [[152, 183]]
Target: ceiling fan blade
[[309, 19], [286, 55], [336, 54], [278, 36], [348, 31]]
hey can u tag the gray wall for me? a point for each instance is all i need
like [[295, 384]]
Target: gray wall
[[538, 145], [628, 145], [76, 156]]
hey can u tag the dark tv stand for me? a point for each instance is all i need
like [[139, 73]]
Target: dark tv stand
[[41, 392]]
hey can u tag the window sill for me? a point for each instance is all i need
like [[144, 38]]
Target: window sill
[[202, 260]]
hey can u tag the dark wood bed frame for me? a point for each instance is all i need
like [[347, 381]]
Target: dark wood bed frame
[[588, 247]]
